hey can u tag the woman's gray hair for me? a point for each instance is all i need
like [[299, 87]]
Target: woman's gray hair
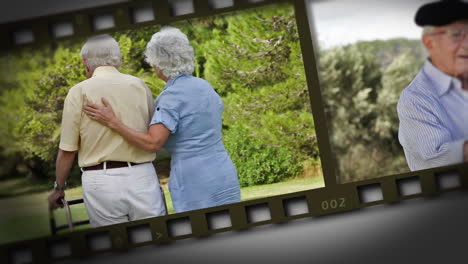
[[101, 50], [170, 51]]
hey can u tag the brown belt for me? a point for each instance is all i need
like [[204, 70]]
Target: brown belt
[[110, 165]]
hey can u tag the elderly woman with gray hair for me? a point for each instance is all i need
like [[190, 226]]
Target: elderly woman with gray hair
[[187, 121]]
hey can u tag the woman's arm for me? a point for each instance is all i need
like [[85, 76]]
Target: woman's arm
[[151, 141]]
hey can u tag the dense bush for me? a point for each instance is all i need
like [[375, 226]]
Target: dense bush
[[258, 69], [256, 161], [360, 95]]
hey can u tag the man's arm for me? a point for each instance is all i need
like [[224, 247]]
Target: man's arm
[[427, 142], [69, 141], [63, 165]]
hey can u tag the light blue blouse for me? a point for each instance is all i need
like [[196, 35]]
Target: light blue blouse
[[202, 173]]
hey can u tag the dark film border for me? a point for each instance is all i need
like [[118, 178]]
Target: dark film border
[[334, 198], [322, 201], [83, 20]]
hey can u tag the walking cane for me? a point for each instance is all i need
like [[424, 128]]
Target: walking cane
[[70, 224]]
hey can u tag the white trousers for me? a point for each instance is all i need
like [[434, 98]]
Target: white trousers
[[124, 194]]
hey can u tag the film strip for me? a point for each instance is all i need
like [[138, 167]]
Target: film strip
[[335, 197], [110, 18]]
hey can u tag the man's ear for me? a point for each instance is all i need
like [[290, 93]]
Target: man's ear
[[428, 42], [85, 63]]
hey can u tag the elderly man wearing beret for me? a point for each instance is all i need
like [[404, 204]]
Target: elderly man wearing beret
[[433, 109]]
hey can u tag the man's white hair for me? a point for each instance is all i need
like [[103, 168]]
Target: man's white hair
[[101, 50], [170, 51], [428, 29]]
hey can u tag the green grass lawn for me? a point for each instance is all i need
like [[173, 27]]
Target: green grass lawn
[[19, 186], [27, 216]]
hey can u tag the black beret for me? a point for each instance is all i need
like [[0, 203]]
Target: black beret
[[441, 13]]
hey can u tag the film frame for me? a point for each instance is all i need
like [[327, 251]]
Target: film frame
[[333, 198]]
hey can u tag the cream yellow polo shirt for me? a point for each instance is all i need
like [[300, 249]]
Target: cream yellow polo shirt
[[132, 102]]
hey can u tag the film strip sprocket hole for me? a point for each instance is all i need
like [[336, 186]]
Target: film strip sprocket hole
[[238, 216], [333, 198], [114, 17]]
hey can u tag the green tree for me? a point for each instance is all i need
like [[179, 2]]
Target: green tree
[[360, 95], [19, 71], [397, 76], [258, 67], [253, 50], [39, 127]]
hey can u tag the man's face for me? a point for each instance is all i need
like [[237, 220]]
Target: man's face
[[448, 50]]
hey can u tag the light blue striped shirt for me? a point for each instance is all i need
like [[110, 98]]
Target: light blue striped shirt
[[433, 113]]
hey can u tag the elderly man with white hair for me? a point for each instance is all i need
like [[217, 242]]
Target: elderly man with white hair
[[187, 122], [119, 180], [433, 109]]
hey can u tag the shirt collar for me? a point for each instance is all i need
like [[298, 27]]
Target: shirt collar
[[457, 84], [442, 80], [104, 70], [171, 81]]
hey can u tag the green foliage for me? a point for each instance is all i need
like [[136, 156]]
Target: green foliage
[[387, 50], [256, 161], [395, 78], [39, 127], [253, 50], [350, 80], [277, 116], [19, 72], [361, 84], [267, 145], [258, 68]]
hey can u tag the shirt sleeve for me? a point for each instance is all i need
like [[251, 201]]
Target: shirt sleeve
[[427, 142], [71, 119], [167, 111]]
